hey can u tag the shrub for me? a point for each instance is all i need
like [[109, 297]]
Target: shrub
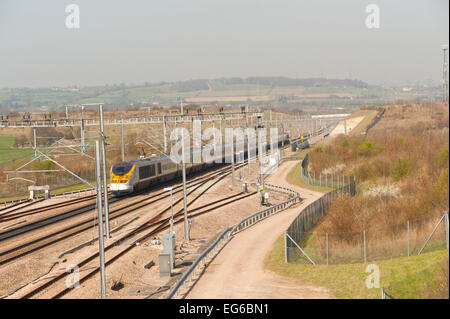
[[442, 157], [402, 168], [318, 149], [69, 136], [381, 168], [362, 173], [365, 149], [345, 143]]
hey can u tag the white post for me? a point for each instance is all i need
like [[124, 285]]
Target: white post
[[100, 221], [165, 133], [122, 145], [186, 225], [171, 206], [34, 138], [285, 248], [232, 154], [105, 182], [83, 147], [447, 228], [407, 227], [181, 106], [365, 253]]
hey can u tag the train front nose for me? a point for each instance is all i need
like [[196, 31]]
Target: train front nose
[[120, 189]]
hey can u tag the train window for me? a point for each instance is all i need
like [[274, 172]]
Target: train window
[[168, 166], [159, 168], [146, 171], [121, 169]]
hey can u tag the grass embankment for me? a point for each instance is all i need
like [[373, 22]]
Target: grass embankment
[[413, 277], [295, 177], [8, 154]]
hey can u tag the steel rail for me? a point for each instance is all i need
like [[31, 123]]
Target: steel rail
[[72, 212], [84, 225], [160, 224], [163, 224]]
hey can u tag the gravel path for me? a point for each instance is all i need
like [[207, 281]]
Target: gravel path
[[238, 271]]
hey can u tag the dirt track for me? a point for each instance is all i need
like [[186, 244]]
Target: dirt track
[[238, 271]]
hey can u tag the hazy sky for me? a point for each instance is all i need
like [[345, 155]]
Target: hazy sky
[[168, 40]]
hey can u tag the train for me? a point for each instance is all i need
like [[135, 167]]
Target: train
[[135, 175]]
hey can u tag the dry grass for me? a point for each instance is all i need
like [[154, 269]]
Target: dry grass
[[414, 159], [402, 173]]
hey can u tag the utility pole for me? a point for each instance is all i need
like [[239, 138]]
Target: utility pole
[[34, 138], [215, 141], [122, 145], [248, 140], [186, 224], [101, 246], [105, 183], [165, 133], [171, 206], [232, 153], [181, 106], [261, 173], [248, 150], [83, 149]]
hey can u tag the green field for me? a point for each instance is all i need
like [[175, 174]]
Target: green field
[[167, 93], [9, 154], [412, 277]]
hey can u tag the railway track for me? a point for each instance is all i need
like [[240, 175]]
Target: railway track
[[19, 205], [118, 247], [16, 215], [67, 214], [12, 253]]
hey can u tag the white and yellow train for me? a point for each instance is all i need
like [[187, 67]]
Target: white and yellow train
[[132, 176]]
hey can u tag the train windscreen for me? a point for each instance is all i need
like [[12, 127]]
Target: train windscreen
[[121, 169]]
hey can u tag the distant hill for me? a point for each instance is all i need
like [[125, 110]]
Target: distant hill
[[202, 84], [261, 91]]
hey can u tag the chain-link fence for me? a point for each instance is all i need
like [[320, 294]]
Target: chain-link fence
[[410, 238], [307, 219], [324, 180], [375, 121]]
